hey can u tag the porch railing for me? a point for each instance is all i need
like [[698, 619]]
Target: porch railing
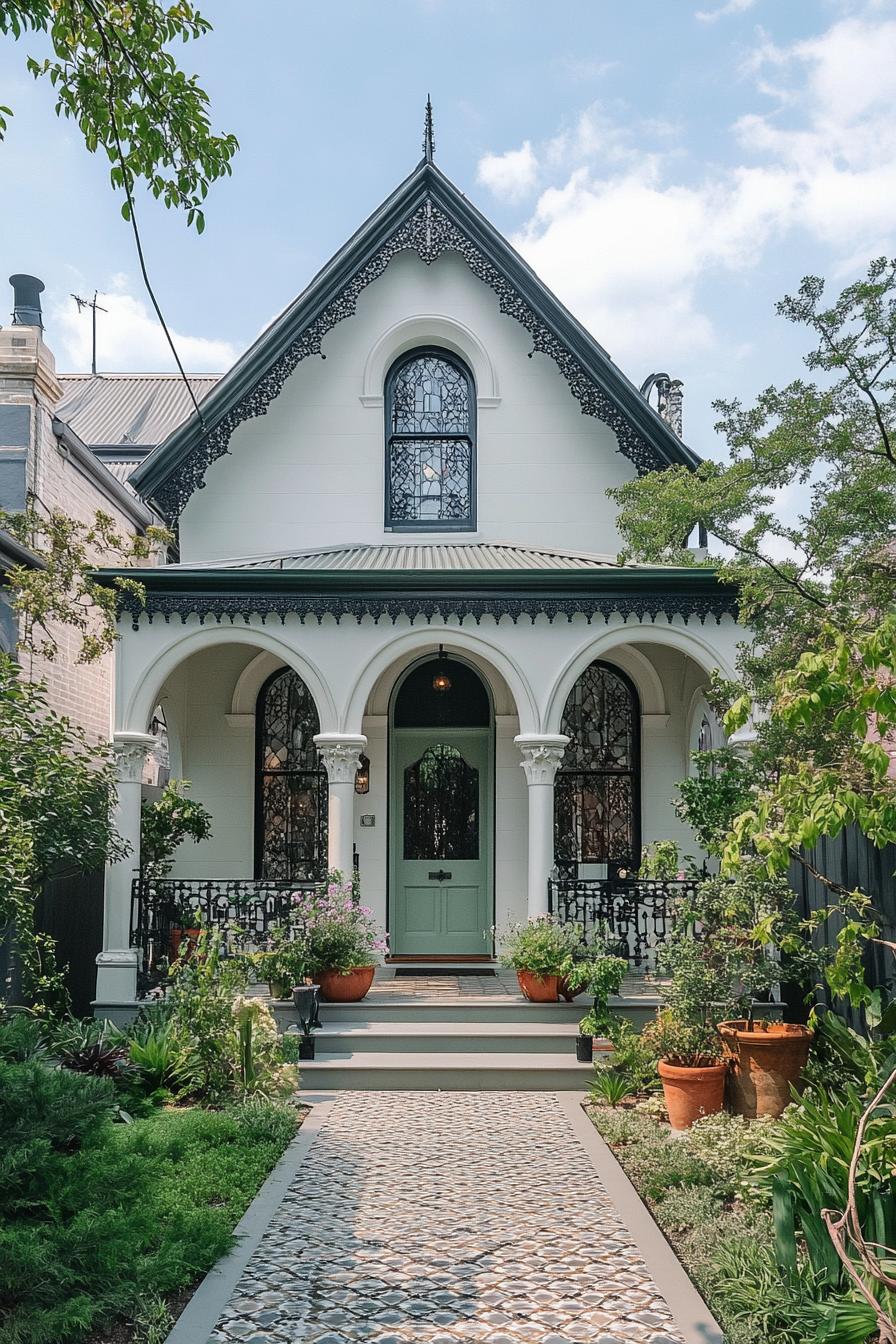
[[635, 912], [162, 908]]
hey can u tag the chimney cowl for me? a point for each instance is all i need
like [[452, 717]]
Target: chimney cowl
[[26, 311]]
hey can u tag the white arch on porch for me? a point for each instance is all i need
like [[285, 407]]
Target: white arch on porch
[[146, 693], [610, 646], [251, 679], [455, 640]]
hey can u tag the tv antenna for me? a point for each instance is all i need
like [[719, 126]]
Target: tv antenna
[[94, 309]]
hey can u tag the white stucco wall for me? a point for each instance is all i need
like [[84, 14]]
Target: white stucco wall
[[311, 471], [196, 672]]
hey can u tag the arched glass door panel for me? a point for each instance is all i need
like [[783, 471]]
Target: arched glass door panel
[[291, 783], [597, 788]]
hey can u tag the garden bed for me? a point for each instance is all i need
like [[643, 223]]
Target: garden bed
[[108, 1240], [701, 1187]]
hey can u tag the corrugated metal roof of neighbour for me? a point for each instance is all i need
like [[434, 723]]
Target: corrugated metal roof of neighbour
[[136, 410], [468, 555]]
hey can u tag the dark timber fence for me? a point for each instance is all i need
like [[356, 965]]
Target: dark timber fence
[[852, 861]]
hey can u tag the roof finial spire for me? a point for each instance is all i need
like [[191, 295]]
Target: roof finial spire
[[429, 144]]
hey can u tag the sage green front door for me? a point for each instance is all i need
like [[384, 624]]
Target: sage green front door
[[441, 841]]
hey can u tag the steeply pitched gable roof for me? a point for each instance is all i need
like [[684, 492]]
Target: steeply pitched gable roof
[[426, 214]]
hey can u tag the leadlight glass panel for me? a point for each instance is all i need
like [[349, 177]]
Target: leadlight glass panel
[[429, 476], [441, 806], [291, 806], [596, 791]]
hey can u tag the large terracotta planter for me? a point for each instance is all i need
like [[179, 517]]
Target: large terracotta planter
[[349, 987], [690, 1093], [538, 988], [767, 1060]]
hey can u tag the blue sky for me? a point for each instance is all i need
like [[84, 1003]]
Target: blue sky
[[671, 168]]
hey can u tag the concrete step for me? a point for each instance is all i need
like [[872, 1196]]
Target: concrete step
[[532, 1038], [442, 1009], [363, 1071]]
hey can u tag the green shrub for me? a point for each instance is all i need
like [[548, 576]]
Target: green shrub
[[543, 945], [119, 1214], [610, 1086], [22, 1037], [633, 1056], [162, 1059]]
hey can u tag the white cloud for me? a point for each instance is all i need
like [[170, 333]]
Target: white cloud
[[511, 175], [129, 337], [627, 243], [732, 7]]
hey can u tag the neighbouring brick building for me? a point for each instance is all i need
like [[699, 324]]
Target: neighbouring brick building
[[69, 442]]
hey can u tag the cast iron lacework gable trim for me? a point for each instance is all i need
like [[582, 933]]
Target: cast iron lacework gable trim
[[264, 605], [429, 233]]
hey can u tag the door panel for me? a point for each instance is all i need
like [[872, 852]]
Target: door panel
[[441, 849]]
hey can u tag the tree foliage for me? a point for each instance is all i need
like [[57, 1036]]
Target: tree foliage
[[817, 590], [115, 76], [56, 799], [64, 591]]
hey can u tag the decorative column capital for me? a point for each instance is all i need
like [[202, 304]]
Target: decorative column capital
[[340, 753], [129, 751], [542, 754]]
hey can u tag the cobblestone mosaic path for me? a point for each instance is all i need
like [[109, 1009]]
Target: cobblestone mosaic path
[[442, 1217]]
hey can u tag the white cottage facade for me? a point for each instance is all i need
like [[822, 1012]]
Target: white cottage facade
[[397, 637]]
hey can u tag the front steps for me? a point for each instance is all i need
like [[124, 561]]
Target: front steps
[[432, 1044]]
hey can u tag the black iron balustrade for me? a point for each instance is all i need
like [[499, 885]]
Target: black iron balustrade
[[162, 908], [635, 912]]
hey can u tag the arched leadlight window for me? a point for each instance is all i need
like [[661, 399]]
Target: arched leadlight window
[[597, 802], [430, 444], [291, 783]]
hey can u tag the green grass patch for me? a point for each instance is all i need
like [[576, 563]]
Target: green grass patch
[[96, 1218]]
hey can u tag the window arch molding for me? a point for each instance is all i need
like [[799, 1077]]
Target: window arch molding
[[597, 789], [430, 329], [291, 789], [430, 442]]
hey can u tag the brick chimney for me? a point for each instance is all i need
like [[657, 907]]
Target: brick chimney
[[29, 394]]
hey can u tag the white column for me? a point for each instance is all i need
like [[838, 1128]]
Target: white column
[[542, 754], [116, 977], [340, 754]]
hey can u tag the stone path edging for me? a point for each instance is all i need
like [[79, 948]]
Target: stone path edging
[[692, 1315], [197, 1320]]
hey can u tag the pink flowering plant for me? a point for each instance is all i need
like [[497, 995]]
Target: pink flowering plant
[[340, 934]]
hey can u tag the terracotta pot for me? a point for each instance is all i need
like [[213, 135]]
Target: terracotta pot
[[177, 935], [350, 987], [538, 988], [767, 1060], [692, 1092]]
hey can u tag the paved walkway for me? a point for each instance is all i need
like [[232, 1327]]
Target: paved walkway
[[444, 1217]]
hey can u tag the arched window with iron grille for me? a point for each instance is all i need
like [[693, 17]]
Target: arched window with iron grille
[[430, 443], [597, 791], [290, 783]]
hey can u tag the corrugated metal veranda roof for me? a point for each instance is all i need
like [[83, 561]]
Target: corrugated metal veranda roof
[[415, 556]]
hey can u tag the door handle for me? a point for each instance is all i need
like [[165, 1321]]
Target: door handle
[[440, 876]]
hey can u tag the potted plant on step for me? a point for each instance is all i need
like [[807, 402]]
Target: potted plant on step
[[542, 952], [600, 975], [342, 942]]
